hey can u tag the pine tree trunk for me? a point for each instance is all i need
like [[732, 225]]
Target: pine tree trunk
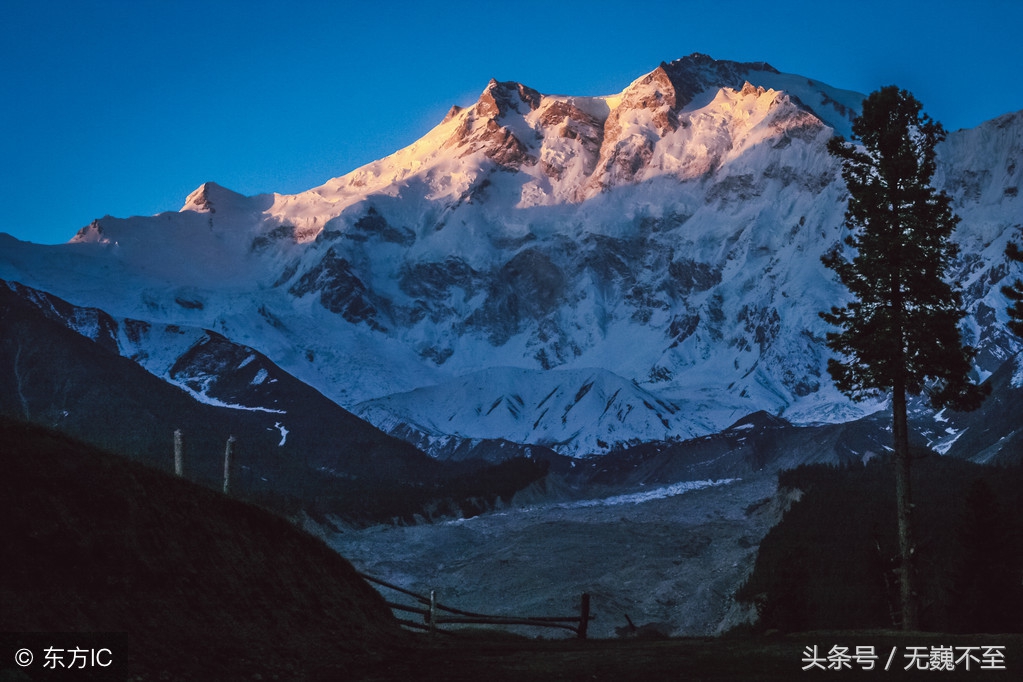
[[904, 510]]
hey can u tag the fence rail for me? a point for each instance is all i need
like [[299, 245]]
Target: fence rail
[[432, 616]]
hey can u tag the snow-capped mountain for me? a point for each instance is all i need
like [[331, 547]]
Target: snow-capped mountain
[[567, 271]]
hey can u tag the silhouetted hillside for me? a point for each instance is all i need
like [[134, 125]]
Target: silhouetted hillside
[[832, 561], [200, 585]]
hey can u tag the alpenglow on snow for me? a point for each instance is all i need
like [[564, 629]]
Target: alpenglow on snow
[[578, 272]]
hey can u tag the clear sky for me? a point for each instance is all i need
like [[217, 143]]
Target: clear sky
[[123, 108]]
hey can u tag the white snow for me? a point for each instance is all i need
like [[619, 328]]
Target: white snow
[[625, 499], [690, 258], [648, 495], [284, 433], [207, 400], [1017, 375]]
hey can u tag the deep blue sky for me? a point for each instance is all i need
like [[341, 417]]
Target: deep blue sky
[[122, 108]]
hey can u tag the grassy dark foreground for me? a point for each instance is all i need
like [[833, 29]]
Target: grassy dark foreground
[[171, 581], [779, 657]]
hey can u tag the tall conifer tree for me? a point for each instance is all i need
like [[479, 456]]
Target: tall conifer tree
[[900, 332]]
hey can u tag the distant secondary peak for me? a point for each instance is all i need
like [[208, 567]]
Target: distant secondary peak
[[500, 97], [207, 197], [750, 89], [93, 232], [452, 112], [652, 90]]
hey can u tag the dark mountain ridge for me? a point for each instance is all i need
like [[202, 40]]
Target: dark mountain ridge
[[325, 461]]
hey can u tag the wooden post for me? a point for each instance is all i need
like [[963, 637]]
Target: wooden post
[[179, 453], [228, 457], [584, 615], [432, 616]]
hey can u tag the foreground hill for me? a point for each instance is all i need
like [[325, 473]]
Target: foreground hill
[[182, 583], [199, 586]]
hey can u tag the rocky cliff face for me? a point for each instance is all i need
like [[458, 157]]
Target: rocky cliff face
[[572, 272]]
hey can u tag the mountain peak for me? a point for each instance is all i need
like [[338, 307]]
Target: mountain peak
[[452, 112], [93, 232], [700, 61], [501, 97], [697, 72], [208, 196], [669, 235]]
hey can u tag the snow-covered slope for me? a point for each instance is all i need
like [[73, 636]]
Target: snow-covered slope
[[578, 272]]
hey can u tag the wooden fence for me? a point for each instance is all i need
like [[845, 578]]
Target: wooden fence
[[433, 613]]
